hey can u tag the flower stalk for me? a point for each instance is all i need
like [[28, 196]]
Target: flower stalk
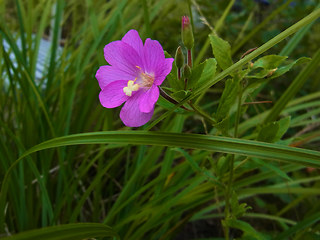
[[190, 58]]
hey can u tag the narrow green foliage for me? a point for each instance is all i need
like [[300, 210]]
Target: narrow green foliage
[[294, 87], [197, 168], [259, 27], [296, 39], [246, 228], [196, 141], [300, 227], [67, 232]]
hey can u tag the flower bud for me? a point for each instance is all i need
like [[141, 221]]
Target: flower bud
[[186, 71], [186, 33], [179, 58]]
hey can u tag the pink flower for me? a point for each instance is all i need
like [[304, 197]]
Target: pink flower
[[135, 73]]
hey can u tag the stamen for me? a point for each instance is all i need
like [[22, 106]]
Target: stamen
[[147, 79]]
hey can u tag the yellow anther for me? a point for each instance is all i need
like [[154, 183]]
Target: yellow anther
[[130, 88]]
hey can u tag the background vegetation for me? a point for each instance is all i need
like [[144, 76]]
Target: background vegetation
[[199, 174]]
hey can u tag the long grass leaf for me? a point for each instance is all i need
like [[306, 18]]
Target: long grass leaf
[[75, 231]]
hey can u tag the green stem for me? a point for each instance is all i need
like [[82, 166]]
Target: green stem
[[238, 111], [170, 99], [227, 211], [201, 113]]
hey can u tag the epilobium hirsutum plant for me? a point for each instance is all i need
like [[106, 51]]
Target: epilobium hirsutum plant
[[228, 151], [135, 73]]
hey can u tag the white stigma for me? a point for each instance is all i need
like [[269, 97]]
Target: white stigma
[[130, 88]]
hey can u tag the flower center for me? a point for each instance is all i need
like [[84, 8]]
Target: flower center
[[147, 79], [131, 87]]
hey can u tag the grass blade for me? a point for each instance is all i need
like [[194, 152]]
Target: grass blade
[[67, 232], [294, 88]]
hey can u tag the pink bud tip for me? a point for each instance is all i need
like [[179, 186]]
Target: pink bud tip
[[185, 21]]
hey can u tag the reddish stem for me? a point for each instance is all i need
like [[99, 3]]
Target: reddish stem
[[189, 58]]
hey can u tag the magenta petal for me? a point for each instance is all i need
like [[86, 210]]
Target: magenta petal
[[112, 95], [148, 99], [133, 39], [162, 71], [131, 115], [153, 55], [122, 56], [108, 74]]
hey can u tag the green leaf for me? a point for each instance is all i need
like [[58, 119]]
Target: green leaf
[[228, 99], [273, 168], [245, 227], [286, 68], [221, 50], [185, 140], [223, 126], [266, 66], [202, 73], [273, 131], [223, 165], [174, 82], [179, 95], [269, 62], [300, 226], [294, 87], [238, 210], [168, 105], [273, 69], [181, 140], [284, 124], [67, 232], [269, 132]]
